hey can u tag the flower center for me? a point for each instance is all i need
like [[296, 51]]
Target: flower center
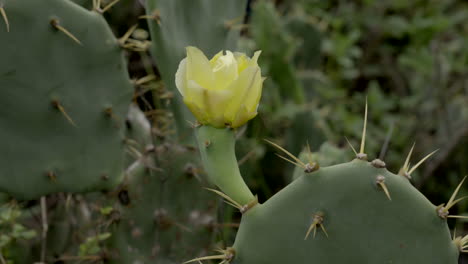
[[224, 61]]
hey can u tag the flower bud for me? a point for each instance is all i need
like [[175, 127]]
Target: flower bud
[[223, 91]]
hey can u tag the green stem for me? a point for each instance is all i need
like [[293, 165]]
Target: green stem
[[217, 148]]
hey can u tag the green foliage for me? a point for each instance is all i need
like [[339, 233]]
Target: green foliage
[[12, 232], [92, 244], [10, 229]]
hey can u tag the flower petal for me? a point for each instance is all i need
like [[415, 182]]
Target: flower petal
[[246, 91], [198, 67], [254, 59], [181, 77], [242, 61], [242, 116], [212, 103], [215, 59], [225, 71]]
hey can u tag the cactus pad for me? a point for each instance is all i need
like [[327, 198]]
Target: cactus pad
[[65, 92], [340, 214]]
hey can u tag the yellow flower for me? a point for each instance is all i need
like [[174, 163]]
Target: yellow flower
[[223, 91]]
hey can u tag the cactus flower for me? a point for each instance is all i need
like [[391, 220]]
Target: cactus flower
[[223, 91]]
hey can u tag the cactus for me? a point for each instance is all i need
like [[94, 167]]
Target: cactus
[[359, 222], [63, 102], [165, 216], [356, 212]]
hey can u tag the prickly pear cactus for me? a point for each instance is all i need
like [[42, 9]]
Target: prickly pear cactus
[[341, 214], [165, 216], [354, 212], [65, 92]]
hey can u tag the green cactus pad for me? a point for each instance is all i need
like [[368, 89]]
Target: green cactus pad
[[166, 216], [362, 224], [63, 103]]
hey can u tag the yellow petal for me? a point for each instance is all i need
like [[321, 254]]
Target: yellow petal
[[242, 61], [255, 93], [180, 77], [254, 60], [215, 59], [246, 91], [194, 93], [198, 67], [199, 114], [225, 71], [211, 102], [242, 116]]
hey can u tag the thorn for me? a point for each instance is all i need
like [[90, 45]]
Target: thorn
[[58, 106], [96, 4], [317, 222], [349, 143], [310, 166], [460, 242], [52, 176], [5, 18], [145, 17], [136, 45], [309, 153], [233, 203], [363, 140], [156, 16], [457, 216], [381, 182], [225, 196], [421, 161], [226, 256], [193, 124], [232, 22], [298, 162], [290, 161], [56, 24], [443, 210], [127, 35], [406, 165], [147, 78], [452, 198], [108, 111], [109, 6]]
